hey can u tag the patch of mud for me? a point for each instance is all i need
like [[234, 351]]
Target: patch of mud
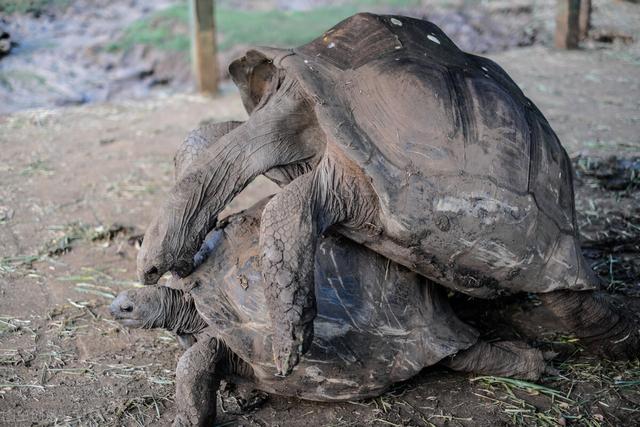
[[59, 57]]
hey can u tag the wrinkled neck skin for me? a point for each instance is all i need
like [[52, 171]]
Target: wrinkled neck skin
[[282, 132], [175, 313]]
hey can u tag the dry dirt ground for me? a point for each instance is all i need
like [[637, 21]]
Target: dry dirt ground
[[78, 184]]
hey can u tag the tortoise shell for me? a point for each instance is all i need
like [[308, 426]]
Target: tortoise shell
[[471, 179], [378, 323]]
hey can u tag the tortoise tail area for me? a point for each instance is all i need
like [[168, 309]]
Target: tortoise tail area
[[566, 268]]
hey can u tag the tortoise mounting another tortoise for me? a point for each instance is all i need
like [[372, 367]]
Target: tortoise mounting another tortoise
[[428, 155]]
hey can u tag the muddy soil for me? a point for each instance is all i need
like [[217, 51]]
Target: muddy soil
[[60, 56], [79, 184]]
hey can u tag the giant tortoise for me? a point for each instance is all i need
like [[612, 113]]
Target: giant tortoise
[[428, 155], [378, 323]]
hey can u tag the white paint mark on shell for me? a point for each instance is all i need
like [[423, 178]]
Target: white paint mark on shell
[[562, 263], [485, 69], [348, 383], [398, 47], [388, 330], [315, 374], [433, 38], [497, 254], [331, 45], [331, 329], [489, 210], [306, 61], [397, 22]]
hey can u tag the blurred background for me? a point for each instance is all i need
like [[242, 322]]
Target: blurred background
[[67, 52]]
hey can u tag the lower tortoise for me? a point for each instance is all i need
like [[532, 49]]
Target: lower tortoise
[[378, 323]]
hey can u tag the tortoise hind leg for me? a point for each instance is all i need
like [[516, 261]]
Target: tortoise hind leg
[[198, 377], [505, 358], [591, 317]]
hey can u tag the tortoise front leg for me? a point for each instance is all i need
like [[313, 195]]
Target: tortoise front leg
[[591, 317], [197, 142], [512, 359], [288, 238], [198, 376], [290, 227]]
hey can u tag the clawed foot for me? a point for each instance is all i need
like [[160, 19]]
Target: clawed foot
[[290, 345], [240, 399], [503, 358]]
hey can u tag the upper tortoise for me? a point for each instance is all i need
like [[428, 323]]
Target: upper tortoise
[[428, 155]]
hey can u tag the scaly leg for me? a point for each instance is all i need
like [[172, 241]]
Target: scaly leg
[[199, 141], [291, 224], [198, 377], [505, 358], [288, 237], [591, 317]]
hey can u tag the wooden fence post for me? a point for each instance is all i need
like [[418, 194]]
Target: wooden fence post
[[203, 45], [585, 18], [567, 24]]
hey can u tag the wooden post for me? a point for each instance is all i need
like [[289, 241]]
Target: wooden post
[[203, 45], [567, 24], [585, 18]]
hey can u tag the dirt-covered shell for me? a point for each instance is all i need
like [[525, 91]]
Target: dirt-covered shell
[[378, 323], [466, 168]]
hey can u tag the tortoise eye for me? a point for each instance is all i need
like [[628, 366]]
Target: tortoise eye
[[127, 308]]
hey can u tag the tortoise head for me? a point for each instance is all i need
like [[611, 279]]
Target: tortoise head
[[139, 308], [281, 139]]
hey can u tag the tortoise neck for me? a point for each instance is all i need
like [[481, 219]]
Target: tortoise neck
[[177, 313]]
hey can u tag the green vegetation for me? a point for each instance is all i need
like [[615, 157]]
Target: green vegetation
[[29, 6], [20, 77], [168, 29], [282, 28], [569, 397]]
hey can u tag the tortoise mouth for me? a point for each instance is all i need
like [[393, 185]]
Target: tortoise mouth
[[123, 310], [129, 323]]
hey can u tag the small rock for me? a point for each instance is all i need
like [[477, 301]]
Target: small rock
[[6, 213]]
